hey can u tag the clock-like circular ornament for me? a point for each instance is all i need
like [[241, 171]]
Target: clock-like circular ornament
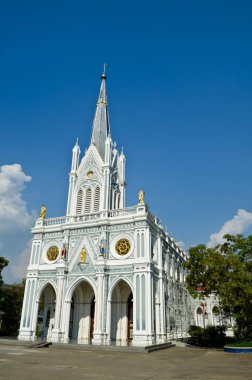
[[90, 174], [52, 253], [122, 247]]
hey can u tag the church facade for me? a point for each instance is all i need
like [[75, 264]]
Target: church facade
[[105, 272]]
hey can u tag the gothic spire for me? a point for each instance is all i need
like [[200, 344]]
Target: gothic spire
[[100, 130]]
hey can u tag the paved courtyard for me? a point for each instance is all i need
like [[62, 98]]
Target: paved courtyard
[[53, 363]]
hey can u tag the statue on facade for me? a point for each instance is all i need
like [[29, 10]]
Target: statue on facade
[[101, 248], [63, 252], [43, 212], [83, 255], [141, 195]]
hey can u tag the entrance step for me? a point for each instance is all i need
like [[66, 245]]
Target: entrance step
[[114, 348], [90, 347], [161, 346], [40, 345]]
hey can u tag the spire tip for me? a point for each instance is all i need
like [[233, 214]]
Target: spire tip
[[104, 71]]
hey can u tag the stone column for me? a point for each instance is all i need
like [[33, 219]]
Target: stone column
[[56, 332], [27, 330], [108, 322], [65, 321], [161, 337], [157, 314], [143, 307], [99, 325]]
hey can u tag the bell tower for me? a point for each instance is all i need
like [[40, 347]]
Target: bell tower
[[97, 183]]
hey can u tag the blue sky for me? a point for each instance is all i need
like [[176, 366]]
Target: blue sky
[[179, 88]]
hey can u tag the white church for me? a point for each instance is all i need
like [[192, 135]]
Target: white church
[[104, 273]]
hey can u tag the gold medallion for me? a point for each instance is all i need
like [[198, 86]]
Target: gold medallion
[[122, 247], [52, 253]]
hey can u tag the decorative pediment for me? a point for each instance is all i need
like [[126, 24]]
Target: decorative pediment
[[91, 160]]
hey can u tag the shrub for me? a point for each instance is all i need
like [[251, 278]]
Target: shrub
[[211, 336], [195, 330]]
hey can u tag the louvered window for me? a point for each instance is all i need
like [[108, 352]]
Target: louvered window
[[79, 202], [97, 200], [88, 201]]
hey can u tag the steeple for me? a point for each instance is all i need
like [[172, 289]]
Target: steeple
[[75, 157], [100, 130]]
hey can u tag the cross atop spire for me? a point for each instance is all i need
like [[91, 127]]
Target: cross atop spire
[[100, 130], [104, 71]]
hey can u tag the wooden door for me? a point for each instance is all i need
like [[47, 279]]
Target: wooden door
[[130, 317], [92, 312]]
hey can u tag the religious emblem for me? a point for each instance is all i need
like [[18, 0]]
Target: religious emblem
[[63, 252], [43, 212], [83, 255], [141, 195], [101, 248], [90, 175], [52, 253], [122, 247]]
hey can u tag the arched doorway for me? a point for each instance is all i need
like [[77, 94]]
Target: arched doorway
[[81, 322], [199, 317], [122, 314], [216, 316], [46, 313]]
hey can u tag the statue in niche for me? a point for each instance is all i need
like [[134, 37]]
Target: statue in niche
[[43, 212], [141, 195], [101, 248], [83, 255], [63, 251]]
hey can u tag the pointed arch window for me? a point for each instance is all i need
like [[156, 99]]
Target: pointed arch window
[[79, 202], [97, 199], [88, 201], [114, 200]]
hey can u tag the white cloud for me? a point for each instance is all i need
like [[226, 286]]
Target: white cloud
[[237, 225], [18, 269], [15, 221], [12, 206]]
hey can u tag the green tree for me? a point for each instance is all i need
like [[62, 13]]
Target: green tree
[[3, 264], [11, 306], [225, 270]]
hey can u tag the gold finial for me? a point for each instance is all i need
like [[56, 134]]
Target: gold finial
[[43, 212], [141, 195]]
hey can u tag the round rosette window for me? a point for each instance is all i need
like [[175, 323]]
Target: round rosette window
[[52, 253], [122, 247]]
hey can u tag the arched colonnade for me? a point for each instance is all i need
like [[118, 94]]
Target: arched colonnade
[[78, 317]]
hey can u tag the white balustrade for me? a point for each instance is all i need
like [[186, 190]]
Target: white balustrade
[[89, 217], [54, 221], [123, 212]]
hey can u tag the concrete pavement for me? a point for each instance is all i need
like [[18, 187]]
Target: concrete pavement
[[58, 363]]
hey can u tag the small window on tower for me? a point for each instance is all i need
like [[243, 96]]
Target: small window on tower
[[79, 202], [88, 201], [97, 199]]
